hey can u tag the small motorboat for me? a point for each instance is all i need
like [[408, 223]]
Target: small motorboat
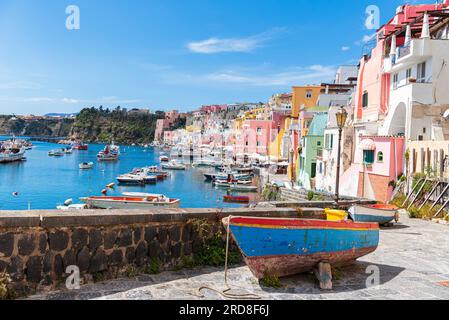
[[243, 188], [80, 146], [173, 165], [131, 179], [131, 202], [56, 153], [164, 159], [86, 165], [72, 207], [150, 179], [380, 213], [142, 194], [236, 199], [68, 150], [284, 246]]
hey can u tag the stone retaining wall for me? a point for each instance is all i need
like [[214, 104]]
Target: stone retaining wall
[[36, 247]]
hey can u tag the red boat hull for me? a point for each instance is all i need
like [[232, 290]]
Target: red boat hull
[[236, 199]]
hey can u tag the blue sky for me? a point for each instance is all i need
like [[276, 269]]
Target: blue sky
[[165, 54]]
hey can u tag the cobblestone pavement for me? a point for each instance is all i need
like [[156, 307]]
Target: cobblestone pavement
[[413, 261]]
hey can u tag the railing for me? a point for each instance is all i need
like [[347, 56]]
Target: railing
[[404, 50]]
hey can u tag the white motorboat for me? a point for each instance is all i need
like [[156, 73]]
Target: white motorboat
[[86, 165], [131, 179], [72, 207], [173, 165], [164, 159], [130, 202], [56, 153]]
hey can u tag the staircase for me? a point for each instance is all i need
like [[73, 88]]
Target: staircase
[[292, 195]]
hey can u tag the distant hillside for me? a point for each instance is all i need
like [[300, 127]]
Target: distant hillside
[[61, 115], [118, 125], [35, 128]]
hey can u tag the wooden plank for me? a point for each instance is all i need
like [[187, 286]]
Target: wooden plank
[[441, 209], [411, 193], [439, 197], [417, 194], [430, 194]]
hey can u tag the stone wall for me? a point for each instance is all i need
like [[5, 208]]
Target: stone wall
[[36, 247]]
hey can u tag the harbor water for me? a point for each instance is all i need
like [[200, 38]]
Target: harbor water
[[43, 182]]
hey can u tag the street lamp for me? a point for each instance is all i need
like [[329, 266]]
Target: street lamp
[[341, 116]]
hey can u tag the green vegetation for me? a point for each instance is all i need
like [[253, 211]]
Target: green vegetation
[[271, 281], [35, 128], [119, 125], [271, 193], [5, 293], [154, 267]]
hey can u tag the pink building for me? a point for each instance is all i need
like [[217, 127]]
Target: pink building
[[255, 137], [164, 124]]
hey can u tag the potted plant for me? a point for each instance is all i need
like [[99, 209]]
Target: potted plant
[[412, 80]]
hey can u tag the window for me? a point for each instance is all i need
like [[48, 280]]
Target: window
[[408, 74], [380, 157], [395, 81], [421, 74], [313, 169], [258, 143], [318, 143], [365, 100], [259, 130], [321, 168], [309, 94], [368, 156]]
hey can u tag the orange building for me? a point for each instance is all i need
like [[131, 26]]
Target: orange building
[[304, 97]]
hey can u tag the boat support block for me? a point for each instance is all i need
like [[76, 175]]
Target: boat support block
[[323, 272]]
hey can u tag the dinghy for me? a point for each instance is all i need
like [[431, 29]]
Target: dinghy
[[282, 247], [380, 213]]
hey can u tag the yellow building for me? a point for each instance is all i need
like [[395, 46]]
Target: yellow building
[[304, 97]]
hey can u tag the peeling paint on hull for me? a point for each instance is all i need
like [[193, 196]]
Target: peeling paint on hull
[[284, 247]]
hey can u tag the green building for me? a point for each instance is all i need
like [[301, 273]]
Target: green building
[[312, 146]]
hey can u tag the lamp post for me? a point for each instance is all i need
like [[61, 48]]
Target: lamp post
[[341, 116]]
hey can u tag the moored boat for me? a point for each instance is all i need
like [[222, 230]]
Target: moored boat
[[109, 153], [11, 151], [130, 202], [86, 165], [283, 247], [131, 179], [80, 146], [236, 199], [173, 165], [56, 153], [380, 213], [237, 187]]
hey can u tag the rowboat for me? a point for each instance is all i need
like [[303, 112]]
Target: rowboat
[[243, 188], [282, 247], [380, 213], [130, 202], [236, 199], [86, 165]]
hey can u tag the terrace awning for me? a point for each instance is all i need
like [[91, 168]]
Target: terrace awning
[[368, 144]]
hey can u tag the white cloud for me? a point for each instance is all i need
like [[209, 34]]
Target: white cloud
[[368, 38], [287, 77], [345, 48], [39, 99], [217, 45], [69, 100]]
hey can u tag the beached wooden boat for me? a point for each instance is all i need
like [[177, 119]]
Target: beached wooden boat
[[282, 247], [130, 202], [236, 199], [380, 213]]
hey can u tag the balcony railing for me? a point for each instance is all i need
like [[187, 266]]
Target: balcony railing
[[404, 50]]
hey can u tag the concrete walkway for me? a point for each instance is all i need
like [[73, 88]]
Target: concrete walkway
[[412, 261]]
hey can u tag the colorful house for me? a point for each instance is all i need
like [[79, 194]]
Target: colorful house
[[311, 148]]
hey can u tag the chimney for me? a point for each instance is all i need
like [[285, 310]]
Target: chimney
[[425, 34], [408, 34]]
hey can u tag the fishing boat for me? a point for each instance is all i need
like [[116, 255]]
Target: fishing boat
[[142, 194], [282, 247], [173, 165], [68, 150], [109, 153], [86, 165], [237, 187], [11, 151], [80, 146], [380, 213], [130, 202], [236, 199]]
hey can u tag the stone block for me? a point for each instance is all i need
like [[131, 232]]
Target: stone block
[[6, 244], [83, 259], [150, 234], [137, 234], [141, 253], [174, 233], [80, 238], [58, 266], [116, 258], [43, 241], [58, 240], [98, 262], [130, 255], [69, 258], [26, 244], [110, 238], [15, 269], [126, 238], [34, 269], [95, 239]]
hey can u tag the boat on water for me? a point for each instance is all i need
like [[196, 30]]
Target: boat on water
[[131, 179], [164, 159], [109, 153], [380, 213], [282, 247], [80, 146], [173, 165], [86, 165], [130, 202], [68, 150], [72, 207], [141, 194], [56, 153], [236, 199], [243, 188], [11, 151]]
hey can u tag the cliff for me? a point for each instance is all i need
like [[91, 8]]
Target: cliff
[[118, 125], [38, 127]]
